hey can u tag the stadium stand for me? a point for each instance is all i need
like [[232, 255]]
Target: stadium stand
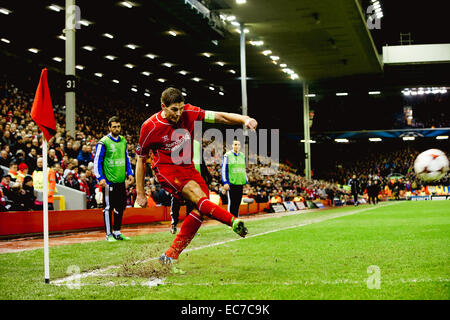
[[71, 156]]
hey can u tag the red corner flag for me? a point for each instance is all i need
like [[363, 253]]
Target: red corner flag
[[42, 110]]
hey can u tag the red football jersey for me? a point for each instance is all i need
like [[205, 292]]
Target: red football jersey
[[171, 144]]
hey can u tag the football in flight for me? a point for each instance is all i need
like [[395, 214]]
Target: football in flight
[[431, 165]]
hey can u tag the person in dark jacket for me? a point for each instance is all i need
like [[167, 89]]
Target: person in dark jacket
[[17, 197], [371, 192], [355, 188], [85, 156], [27, 186], [71, 182]]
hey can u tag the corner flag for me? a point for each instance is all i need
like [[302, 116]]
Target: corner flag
[[42, 114], [42, 110]]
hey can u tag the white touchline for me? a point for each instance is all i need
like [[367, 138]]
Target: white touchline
[[315, 282], [98, 272], [153, 282]]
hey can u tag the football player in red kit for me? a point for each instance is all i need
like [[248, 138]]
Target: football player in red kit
[[168, 134]]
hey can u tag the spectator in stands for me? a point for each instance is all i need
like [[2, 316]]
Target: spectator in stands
[[75, 171], [2, 201], [8, 150], [38, 183], [5, 186], [69, 167], [84, 157], [92, 185], [84, 187], [13, 171], [69, 150], [20, 145], [23, 171], [19, 157], [59, 151], [31, 160], [276, 198], [52, 158], [7, 140], [65, 162], [330, 195], [75, 149], [262, 197], [150, 200], [131, 196], [17, 197], [71, 182], [13, 130], [35, 144], [5, 160], [28, 146], [27, 186], [59, 174]]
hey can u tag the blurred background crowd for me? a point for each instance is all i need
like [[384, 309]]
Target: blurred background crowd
[[71, 155]]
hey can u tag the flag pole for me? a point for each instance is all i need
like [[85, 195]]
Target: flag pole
[[45, 210], [42, 114]]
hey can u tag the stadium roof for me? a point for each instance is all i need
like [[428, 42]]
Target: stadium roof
[[317, 39]]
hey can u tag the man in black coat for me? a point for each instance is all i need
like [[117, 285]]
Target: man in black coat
[[355, 188], [371, 192], [27, 186], [18, 198]]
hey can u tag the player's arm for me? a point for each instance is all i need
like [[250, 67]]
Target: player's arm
[[129, 170], [230, 119], [98, 164], [142, 151], [141, 199], [224, 173]]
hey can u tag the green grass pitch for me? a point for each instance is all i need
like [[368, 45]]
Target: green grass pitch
[[391, 251]]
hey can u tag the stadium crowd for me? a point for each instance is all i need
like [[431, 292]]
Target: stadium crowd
[[393, 171], [70, 157]]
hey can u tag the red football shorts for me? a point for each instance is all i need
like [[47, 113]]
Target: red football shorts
[[173, 178]]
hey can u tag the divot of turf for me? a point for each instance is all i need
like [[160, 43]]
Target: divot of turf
[[137, 264]]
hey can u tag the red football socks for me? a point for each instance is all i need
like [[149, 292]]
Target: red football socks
[[193, 222], [205, 206], [187, 232]]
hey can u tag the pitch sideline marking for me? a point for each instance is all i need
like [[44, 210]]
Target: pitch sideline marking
[[153, 282], [324, 282], [99, 272]]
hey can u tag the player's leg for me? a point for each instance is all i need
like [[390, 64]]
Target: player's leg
[[194, 193], [187, 232], [120, 200], [190, 185], [229, 200], [355, 198], [235, 197], [174, 213], [189, 208], [107, 214]]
